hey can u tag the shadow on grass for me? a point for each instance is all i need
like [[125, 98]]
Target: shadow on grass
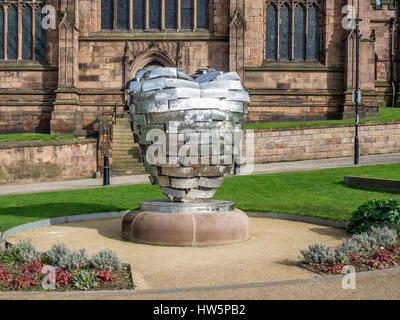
[[366, 189]]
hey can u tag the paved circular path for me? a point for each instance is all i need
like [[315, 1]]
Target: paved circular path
[[270, 255]]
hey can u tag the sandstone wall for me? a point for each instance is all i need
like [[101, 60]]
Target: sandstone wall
[[33, 161], [324, 141]]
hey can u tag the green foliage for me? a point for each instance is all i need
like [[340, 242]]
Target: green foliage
[[106, 260], [371, 240], [319, 253], [23, 251], [78, 259], [84, 280], [56, 253], [359, 244], [375, 213]]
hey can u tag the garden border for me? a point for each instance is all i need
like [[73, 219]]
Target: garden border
[[118, 214], [141, 292]]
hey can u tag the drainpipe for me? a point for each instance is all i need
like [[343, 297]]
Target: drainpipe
[[392, 60]]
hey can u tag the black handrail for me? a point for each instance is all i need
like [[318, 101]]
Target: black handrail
[[114, 114]]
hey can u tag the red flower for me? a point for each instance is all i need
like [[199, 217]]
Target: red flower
[[22, 282], [62, 277], [5, 276], [336, 269], [104, 275], [34, 267]]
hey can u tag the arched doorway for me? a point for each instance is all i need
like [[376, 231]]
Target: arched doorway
[[155, 64], [151, 57]]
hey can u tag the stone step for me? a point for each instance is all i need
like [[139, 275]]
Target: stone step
[[124, 144], [127, 172], [122, 129], [125, 158], [124, 147], [121, 163], [121, 154], [124, 138]]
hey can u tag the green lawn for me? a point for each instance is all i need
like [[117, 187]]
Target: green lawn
[[34, 136], [386, 114], [320, 193]]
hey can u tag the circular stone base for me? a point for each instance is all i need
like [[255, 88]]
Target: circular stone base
[[181, 228]]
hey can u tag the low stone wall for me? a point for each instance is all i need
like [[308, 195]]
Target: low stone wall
[[324, 141], [376, 184], [33, 161]]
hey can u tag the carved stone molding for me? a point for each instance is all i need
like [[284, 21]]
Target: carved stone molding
[[139, 53]]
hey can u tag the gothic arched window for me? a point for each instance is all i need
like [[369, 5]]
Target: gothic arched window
[[292, 30], [22, 36], [155, 15]]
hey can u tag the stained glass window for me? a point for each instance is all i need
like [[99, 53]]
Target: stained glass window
[[27, 33], [155, 14], [202, 14], [170, 14], [271, 33], [12, 33], [107, 14], [17, 37], [300, 33], [40, 37], [284, 33], [186, 14], [313, 37], [306, 43], [122, 15], [138, 14], [1, 33]]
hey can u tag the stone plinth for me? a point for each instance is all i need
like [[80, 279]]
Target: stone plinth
[[207, 223]]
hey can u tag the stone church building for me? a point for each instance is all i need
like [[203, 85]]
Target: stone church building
[[295, 58]]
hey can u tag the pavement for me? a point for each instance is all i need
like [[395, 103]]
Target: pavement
[[143, 178], [264, 267]]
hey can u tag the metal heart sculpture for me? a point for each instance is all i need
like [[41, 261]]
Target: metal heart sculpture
[[187, 127]]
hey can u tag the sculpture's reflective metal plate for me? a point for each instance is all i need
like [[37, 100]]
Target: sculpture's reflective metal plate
[[186, 127]]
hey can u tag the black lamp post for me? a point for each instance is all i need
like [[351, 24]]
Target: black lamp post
[[106, 171], [357, 93]]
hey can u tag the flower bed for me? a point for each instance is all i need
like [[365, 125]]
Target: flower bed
[[376, 249], [381, 259], [23, 267]]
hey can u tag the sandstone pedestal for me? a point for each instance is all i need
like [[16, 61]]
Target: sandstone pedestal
[[207, 223]]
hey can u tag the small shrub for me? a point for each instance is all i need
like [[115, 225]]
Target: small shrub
[[78, 259], [374, 239], [104, 275], [106, 260], [34, 267], [84, 280], [62, 277], [22, 282], [319, 253], [23, 251], [384, 236], [375, 213], [56, 253]]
